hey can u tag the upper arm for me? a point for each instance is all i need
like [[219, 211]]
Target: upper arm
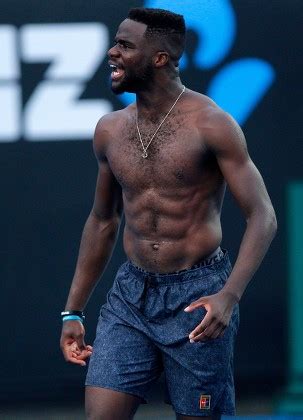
[[108, 195], [226, 140]]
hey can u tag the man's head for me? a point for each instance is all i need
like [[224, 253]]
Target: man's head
[[164, 29], [149, 39]]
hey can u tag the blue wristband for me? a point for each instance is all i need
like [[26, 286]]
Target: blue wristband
[[72, 318]]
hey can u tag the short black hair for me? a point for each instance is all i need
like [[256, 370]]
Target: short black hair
[[163, 25]]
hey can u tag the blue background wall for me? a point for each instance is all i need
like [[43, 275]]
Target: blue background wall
[[245, 54]]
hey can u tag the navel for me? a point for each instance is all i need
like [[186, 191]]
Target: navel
[[155, 247]]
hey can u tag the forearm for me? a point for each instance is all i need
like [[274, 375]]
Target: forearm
[[260, 230], [97, 242]]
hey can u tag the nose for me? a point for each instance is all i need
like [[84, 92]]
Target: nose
[[113, 52]]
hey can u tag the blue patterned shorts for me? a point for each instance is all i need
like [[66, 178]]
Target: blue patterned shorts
[[143, 331]]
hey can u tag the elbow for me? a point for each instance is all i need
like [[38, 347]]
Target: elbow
[[274, 223], [107, 227], [265, 218], [271, 221]]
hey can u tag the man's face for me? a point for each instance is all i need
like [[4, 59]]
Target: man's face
[[130, 59]]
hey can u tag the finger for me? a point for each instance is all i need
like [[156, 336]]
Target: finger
[[72, 357], [207, 320], [196, 332], [195, 305], [75, 348], [219, 332], [208, 334], [83, 355], [76, 361], [70, 348], [204, 334], [215, 328]]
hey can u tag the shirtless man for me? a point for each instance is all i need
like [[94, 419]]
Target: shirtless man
[[165, 161]]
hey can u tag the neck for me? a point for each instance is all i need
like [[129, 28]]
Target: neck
[[158, 97]]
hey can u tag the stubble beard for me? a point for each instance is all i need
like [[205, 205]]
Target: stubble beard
[[136, 81]]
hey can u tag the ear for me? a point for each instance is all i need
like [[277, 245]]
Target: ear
[[161, 58]]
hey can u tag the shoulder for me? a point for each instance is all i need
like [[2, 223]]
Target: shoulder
[[217, 128], [109, 126]]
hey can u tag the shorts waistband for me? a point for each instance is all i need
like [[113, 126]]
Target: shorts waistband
[[211, 263]]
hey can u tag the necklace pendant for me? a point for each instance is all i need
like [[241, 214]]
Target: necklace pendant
[[144, 154]]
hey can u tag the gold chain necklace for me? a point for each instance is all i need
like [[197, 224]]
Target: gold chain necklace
[[144, 154]]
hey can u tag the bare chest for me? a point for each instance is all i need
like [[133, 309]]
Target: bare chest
[[176, 156]]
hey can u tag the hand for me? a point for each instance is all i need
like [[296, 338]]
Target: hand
[[72, 343], [219, 309]]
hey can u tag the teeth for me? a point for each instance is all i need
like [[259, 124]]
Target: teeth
[[112, 66]]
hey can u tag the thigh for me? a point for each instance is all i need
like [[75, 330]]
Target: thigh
[[106, 404], [123, 358], [199, 376]]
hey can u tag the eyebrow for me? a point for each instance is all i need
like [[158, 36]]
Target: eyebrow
[[124, 41]]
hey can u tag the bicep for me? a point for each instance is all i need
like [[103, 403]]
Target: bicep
[[243, 178], [108, 195], [245, 183]]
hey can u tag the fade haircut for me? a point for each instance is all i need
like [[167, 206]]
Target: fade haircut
[[164, 27]]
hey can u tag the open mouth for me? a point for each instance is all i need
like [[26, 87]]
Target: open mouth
[[117, 72]]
